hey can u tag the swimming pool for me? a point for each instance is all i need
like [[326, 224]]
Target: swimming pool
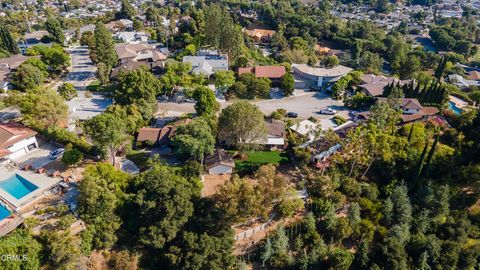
[[453, 107], [4, 212], [17, 186]]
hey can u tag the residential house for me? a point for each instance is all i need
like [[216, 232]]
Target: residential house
[[323, 159], [160, 136], [273, 139], [16, 140], [461, 82], [373, 85], [260, 35], [7, 66], [128, 24], [147, 54], [307, 76], [207, 63], [411, 108], [306, 128], [132, 37], [275, 134], [220, 162], [128, 66], [120, 25], [474, 75], [274, 73]]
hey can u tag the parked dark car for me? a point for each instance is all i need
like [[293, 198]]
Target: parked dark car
[[292, 114]]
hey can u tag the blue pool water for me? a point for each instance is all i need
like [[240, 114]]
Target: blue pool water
[[3, 212], [17, 186], [454, 108]]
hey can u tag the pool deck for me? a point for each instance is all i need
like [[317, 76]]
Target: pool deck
[[42, 181], [460, 103]]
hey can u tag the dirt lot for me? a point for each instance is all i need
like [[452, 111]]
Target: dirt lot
[[211, 183]]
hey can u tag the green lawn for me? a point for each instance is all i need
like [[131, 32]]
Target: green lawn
[[257, 158]]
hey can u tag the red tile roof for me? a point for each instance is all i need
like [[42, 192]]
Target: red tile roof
[[11, 133], [273, 72]]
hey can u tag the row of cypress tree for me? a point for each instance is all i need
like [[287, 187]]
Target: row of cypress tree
[[434, 94]]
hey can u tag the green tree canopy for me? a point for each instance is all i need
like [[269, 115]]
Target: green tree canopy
[[224, 79], [108, 132], [194, 140], [206, 103], [20, 242], [241, 124], [40, 107], [101, 192], [55, 29], [164, 203], [72, 157], [287, 84], [104, 50], [27, 77], [7, 42], [138, 87], [126, 11]]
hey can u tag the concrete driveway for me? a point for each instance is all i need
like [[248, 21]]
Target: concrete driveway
[[38, 157]]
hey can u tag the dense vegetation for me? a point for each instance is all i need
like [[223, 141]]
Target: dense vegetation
[[392, 197]]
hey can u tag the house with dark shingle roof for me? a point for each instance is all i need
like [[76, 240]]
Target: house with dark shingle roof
[[160, 135], [373, 85], [220, 162]]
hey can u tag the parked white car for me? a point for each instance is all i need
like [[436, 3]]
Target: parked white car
[[328, 111]]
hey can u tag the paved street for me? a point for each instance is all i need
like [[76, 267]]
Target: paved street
[[304, 103], [83, 70]]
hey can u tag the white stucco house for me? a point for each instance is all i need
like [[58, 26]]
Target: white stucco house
[[16, 141]]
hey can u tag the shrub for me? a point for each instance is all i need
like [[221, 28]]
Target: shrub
[[65, 137], [287, 207], [67, 91], [72, 157], [339, 120]]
